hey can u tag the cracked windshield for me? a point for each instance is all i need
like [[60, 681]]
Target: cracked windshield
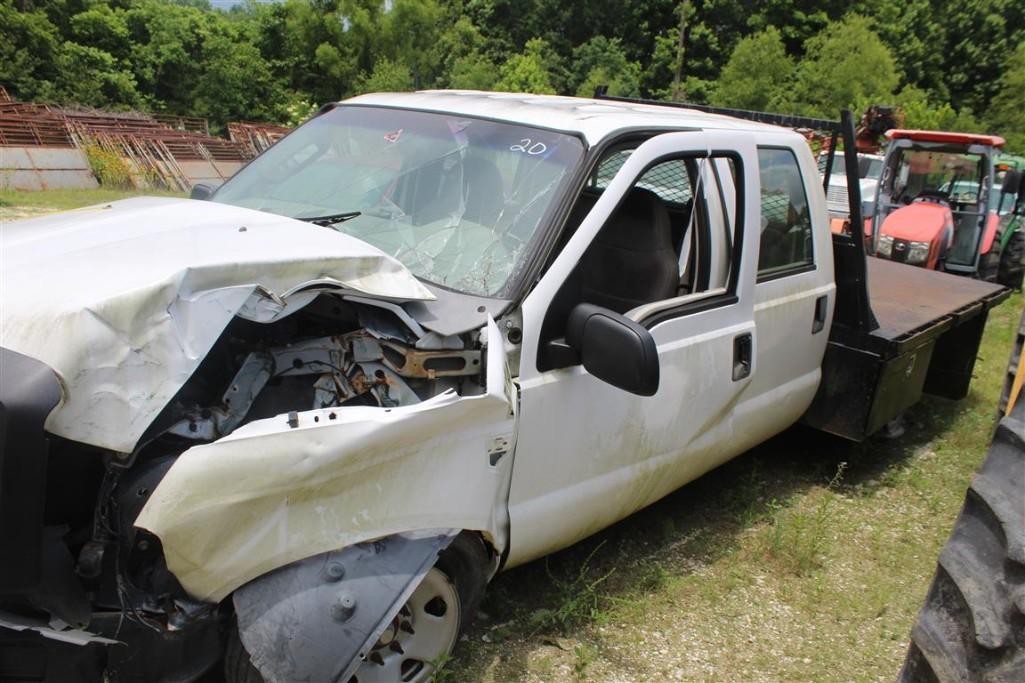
[[456, 200]]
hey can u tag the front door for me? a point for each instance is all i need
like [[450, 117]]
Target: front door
[[589, 454]]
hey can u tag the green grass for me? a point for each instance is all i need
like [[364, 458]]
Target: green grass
[[61, 200], [806, 558]]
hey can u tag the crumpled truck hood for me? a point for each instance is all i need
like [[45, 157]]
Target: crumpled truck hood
[[124, 300]]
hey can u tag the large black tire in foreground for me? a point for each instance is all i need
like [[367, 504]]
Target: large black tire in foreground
[[972, 627]]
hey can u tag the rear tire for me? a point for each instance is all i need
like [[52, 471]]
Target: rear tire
[[1012, 269], [462, 564]]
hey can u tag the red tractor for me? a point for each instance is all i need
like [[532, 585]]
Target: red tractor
[[937, 202]]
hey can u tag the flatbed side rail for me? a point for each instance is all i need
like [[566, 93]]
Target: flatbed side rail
[[853, 308]]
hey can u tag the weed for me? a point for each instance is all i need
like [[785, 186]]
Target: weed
[[654, 578], [543, 666], [667, 528], [110, 168], [798, 537], [439, 673], [576, 599], [585, 656]]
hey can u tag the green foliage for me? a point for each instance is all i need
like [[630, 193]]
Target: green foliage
[[603, 61], [387, 76], [529, 71], [93, 77], [844, 64], [759, 74], [1006, 112], [29, 49], [662, 66], [919, 112], [941, 61], [980, 36], [296, 110], [576, 600], [237, 84], [473, 72]]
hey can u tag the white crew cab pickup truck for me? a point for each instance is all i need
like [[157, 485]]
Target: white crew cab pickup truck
[[423, 338]]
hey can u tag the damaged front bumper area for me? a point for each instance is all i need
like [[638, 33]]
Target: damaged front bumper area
[[50, 628]]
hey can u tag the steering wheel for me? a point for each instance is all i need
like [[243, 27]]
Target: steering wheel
[[932, 197]]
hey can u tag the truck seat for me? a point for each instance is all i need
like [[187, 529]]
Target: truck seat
[[632, 260]]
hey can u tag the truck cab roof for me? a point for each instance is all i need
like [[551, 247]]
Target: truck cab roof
[[593, 120]]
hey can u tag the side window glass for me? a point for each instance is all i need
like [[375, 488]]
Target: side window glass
[[786, 234], [608, 168], [669, 180]]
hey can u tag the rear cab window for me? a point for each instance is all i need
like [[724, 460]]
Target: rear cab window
[[786, 244]]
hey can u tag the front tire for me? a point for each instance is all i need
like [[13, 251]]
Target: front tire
[[424, 632]]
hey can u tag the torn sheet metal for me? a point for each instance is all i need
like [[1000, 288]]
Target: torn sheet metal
[[271, 493], [334, 606], [146, 286], [18, 622]]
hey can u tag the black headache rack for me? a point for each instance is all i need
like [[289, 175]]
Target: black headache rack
[[898, 331]]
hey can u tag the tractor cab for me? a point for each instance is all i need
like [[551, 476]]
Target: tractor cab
[[937, 203]]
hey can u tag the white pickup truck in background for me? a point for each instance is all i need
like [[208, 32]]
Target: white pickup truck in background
[[870, 169], [423, 338]]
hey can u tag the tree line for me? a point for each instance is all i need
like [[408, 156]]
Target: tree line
[[955, 66]]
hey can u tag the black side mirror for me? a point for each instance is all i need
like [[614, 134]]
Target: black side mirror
[[202, 191], [614, 349]]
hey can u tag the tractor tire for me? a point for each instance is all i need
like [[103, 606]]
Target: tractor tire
[[989, 263], [1012, 261], [972, 626]]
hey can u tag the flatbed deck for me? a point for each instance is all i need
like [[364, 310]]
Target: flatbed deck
[[930, 325], [909, 301]]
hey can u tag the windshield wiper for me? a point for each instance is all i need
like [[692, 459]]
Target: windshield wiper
[[330, 219]]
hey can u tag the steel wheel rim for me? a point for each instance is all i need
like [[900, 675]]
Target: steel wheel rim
[[421, 634]]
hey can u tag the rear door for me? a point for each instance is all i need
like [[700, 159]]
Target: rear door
[[794, 290], [588, 453]]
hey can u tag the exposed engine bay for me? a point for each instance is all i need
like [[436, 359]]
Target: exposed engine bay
[[331, 354]]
